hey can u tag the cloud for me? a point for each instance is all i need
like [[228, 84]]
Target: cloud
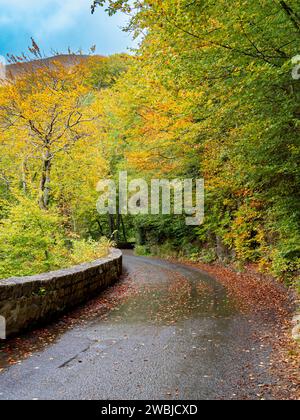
[[65, 16], [57, 24], [48, 16]]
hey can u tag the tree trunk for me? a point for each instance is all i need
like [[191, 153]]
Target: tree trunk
[[292, 15], [24, 176], [118, 226], [45, 183], [111, 225], [100, 228], [222, 250], [123, 228], [140, 236]]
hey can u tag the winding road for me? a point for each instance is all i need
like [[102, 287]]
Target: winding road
[[166, 331]]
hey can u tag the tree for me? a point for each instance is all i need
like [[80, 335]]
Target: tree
[[228, 66], [105, 71], [44, 112]]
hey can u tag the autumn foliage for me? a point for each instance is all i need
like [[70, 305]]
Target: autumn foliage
[[209, 93]]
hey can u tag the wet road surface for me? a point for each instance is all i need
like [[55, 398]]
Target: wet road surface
[[166, 331]]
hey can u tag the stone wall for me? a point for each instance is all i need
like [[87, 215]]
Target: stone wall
[[30, 301]]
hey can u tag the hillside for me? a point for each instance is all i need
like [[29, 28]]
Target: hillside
[[68, 60]]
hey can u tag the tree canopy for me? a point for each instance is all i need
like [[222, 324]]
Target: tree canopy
[[212, 94]]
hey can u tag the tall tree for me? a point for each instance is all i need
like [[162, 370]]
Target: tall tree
[[228, 65], [44, 112]]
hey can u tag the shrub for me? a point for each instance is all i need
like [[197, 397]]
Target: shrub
[[208, 256], [142, 250], [89, 250], [31, 241]]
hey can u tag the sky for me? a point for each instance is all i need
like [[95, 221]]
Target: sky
[[59, 24]]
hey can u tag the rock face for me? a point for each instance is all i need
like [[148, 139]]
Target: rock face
[[30, 301]]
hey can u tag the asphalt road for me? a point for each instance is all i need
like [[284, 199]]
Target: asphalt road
[[165, 332]]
